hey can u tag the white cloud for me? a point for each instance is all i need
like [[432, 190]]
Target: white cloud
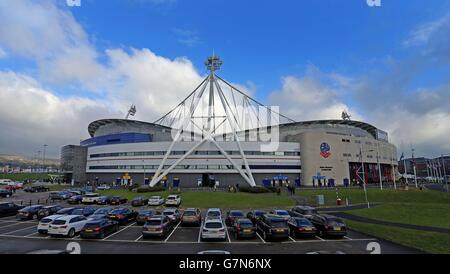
[[3, 53], [422, 34]]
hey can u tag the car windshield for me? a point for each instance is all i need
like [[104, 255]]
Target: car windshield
[[276, 223], [213, 214], [58, 222], [78, 212], [309, 211], [46, 220], [92, 225], [168, 213], [245, 224], [102, 211], [335, 222], [65, 210], [145, 212], [190, 213], [118, 211], [303, 222], [282, 213], [236, 214], [213, 225], [155, 197], [153, 222]]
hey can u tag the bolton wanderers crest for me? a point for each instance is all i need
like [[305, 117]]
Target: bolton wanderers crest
[[325, 150]]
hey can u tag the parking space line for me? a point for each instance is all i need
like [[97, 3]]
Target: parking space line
[[348, 238], [19, 230], [199, 233], [260, 237], [137, 240], [292, 239], [319, 238], [119, 231], [31, 234], [12, 224], [167, 238], [228, 235]]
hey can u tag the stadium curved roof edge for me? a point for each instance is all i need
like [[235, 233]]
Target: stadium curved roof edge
[[94, 126]]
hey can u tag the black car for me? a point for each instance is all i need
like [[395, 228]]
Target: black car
[[139, 201], [144, 215], [48, 210], [99, 228], [9, 209], [329, 226], [254, 215], [59, 195], [75, 200], [37, 188], [117, 200], [233, 215], [85, 211], [29, 212], [272, 226], [303, 211], [122, 215], [301, 227], [104, 200], [243, 228], [101, 213], [5, 193], [157, 226]]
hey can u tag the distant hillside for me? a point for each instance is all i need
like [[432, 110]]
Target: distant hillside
[[24, 161]]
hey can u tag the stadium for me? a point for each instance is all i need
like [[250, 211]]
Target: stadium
[[220, 136]]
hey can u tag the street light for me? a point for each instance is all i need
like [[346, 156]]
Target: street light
[[364, 176]]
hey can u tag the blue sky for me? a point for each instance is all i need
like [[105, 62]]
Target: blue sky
[[67, 66]]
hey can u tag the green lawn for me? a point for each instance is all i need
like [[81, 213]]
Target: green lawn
[[427, 241], [217, 199], [375, 195], [427, 214], [24, 176]]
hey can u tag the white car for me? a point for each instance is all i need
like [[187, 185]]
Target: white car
[[90, 198], [67, 225], [214, 213], [103, 187], [173, 200], [10, 183], [213, 229], [44, 223], [156, 201]]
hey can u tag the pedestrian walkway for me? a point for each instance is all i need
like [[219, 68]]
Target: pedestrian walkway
[[393, 224]]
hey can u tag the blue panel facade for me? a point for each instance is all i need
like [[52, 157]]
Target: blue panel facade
[[120, 138]]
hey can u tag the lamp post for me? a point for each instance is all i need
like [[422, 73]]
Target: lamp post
[[445, 172], [363, 176], [43, 159]]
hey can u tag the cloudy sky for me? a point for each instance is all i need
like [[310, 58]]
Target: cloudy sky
[[62, 67]]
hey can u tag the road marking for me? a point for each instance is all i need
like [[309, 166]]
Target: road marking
[[226, 229], [348, 238], [31, 234], [172, 232], [19, 230], [200, 233], [260, 238], [320, 238], [118, 231], [18, 223], [140, 237], [292, 239]]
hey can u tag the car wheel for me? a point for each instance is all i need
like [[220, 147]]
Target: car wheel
[[71, 233]]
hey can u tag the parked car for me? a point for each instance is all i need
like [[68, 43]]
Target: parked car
[[213, 228], [254, 215], [90, 198], [5, 193], [9, 209], [214, 213], [272, 226], [36, 188], [303, 211], [29, 212], [10, 184], [99, 228], [173, 214], [59, 195], [156, 201], [103, 187], [301, 227], [191, 216], [66, 211], [44, 223], [158, 226], [144, 214], [173, 200], [282, 213], [84, 211], [328, 225], [104, 200], [243, 228], [122, 215], [117, 200], [75, 200], [139, 201], [101, 213], [67, 225], [48, 210], [233, 215]]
